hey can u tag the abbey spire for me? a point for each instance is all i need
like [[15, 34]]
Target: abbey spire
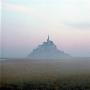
[[48, 39]]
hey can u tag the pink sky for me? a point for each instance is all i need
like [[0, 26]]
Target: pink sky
[[27, 24]]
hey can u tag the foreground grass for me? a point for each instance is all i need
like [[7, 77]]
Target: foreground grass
[[77, 82], [45, 75]]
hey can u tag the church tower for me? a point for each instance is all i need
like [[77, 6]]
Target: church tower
[[48, 39]]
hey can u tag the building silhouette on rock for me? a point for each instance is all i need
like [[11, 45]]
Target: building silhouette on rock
[[47, 50]]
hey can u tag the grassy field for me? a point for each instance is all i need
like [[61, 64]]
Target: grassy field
[[63, 74]]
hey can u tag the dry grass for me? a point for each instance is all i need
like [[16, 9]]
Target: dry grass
[[58, 72]]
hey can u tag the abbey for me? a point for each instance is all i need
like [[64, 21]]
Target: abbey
[[47, 50]]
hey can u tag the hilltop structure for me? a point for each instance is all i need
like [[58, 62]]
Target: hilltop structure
[[47, 50]]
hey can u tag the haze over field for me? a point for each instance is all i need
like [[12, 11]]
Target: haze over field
[[26, 23], [27, 69]]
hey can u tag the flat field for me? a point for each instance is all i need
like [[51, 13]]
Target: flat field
[[63, 74]]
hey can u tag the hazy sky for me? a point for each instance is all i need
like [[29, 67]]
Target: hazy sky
[[26, 23]]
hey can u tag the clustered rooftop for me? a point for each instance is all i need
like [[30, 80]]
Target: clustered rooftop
[[47, 50]]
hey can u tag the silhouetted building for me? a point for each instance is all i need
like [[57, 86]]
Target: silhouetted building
[[47, 50]]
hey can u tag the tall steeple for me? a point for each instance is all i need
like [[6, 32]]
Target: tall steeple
[[48, 38]]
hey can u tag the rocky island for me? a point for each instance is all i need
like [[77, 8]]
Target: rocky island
[[47, 50]]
